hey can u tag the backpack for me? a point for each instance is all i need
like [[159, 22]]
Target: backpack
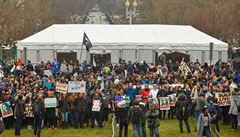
[[136, 116], [37, 109]]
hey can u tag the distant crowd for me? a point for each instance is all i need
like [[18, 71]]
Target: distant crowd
[[79, 95]]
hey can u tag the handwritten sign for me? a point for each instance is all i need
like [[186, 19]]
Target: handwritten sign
[[224, 99], [76, 86], [96, 105], [29, 110], [61, 87], [50, 102]]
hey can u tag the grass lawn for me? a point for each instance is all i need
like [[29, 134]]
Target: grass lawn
[[168, 128]]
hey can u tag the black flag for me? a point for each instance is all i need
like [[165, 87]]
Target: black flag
[[86, 42]]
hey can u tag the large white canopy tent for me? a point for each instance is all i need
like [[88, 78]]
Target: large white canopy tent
[[130, 42]]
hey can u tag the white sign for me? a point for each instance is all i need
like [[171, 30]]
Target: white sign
[[48, 72], [50, 102], [96, 105], [61, 87], [76, 86]]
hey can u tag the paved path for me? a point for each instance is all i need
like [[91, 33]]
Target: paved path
[[95, 16]]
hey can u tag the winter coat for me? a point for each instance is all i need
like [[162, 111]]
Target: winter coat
[[200, 124], [233, 107], [122, 114], [80, 105], [64, 105], [152, 116], [145, 94], [182, 107], [131, 92], [20, 109]]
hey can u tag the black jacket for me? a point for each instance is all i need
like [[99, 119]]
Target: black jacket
[[182, 107], [64, 105], [80, 105]]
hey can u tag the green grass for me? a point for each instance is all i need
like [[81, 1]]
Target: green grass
[[168, 128]]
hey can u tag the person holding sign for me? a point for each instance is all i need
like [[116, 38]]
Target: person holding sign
[[96, 109], [50, 111], [64, 106], [38, 111]]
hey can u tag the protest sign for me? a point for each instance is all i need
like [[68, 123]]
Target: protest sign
[[48, 72], [29, 110], [173, 99], [224, 99], [50, 102], [6, 109], [76, 86], [164, 103], [96, 105], [61, 87], [118, 101]]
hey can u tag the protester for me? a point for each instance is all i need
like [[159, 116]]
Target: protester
[[204, 124], [135, 117], [182, 112], [64, 109], [153, 120], [234, 112], [135, 80], [38, 111], [96, 109], [19, 114]]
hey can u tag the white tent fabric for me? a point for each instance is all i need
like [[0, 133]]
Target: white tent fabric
[[122, 36]]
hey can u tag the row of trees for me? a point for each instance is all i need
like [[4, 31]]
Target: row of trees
[[22, 18], [218, 18]]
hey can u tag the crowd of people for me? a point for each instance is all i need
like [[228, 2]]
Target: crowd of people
[[130, 91]]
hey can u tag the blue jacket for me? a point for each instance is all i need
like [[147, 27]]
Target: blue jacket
[[131, 92]]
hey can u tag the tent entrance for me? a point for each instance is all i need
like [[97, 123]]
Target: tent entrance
[[100, 59], [67, 56]]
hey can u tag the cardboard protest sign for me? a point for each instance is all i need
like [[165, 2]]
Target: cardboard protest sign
[[122, 101], [62, 87], [96, 105], [50, 102], [164, 103], [29, 110], [224, 99], [76, 86], [6, 109], [173, 99], [118, 101]]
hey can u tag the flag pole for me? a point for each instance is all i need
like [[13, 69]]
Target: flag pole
[[81, 54]]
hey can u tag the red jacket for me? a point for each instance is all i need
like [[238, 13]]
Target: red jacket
[[145, 94]]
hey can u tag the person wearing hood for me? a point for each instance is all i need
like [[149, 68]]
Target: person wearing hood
[[50, 114], [233, 111], [182, 112], [153, 120], [204, 123]]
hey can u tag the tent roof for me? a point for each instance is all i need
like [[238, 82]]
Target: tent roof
[[120, 34]]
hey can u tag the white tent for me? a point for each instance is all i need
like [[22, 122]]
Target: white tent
[[130, 42]]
